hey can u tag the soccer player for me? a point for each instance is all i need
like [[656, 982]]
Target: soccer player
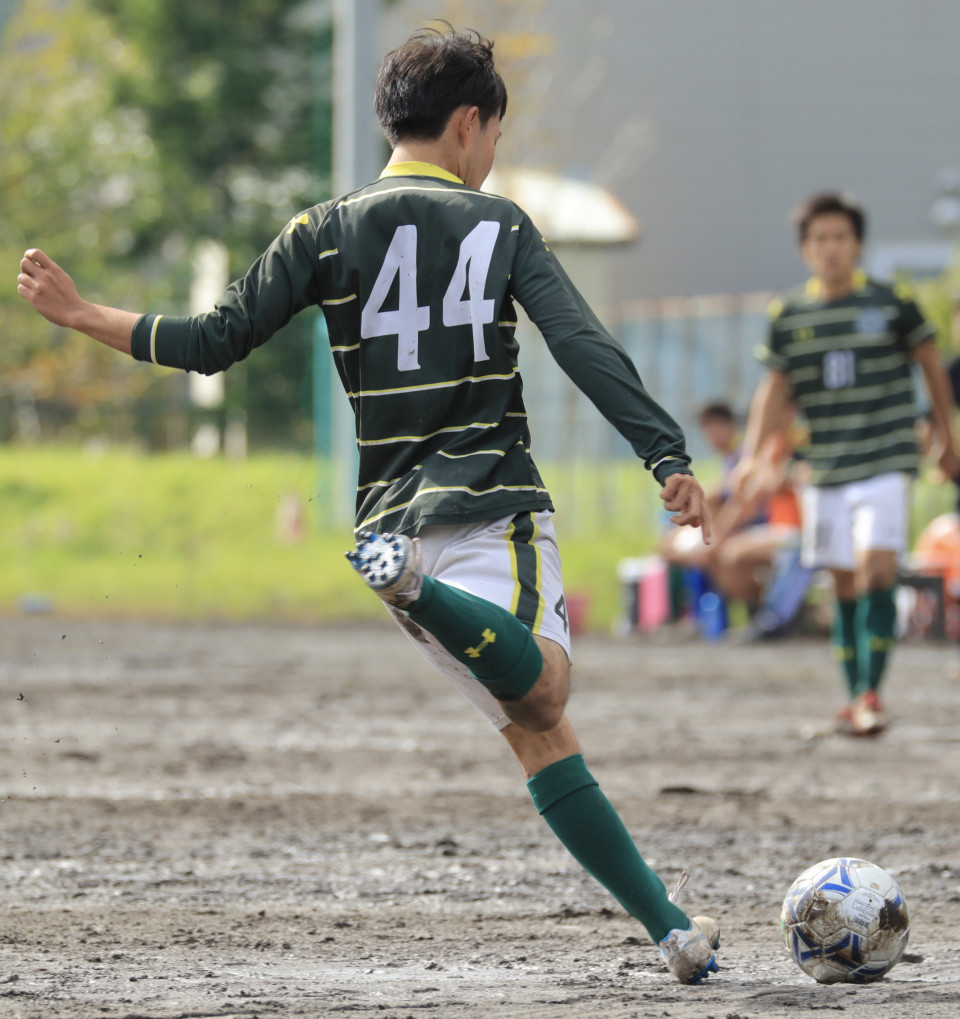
[[417, 275], [840, 349]]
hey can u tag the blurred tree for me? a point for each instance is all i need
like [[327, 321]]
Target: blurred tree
[[229, 90], [129, 130], [78, 179]]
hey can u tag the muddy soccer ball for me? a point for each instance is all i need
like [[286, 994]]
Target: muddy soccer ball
[[845, 920]]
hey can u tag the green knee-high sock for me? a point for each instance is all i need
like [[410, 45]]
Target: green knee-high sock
[[493, 644], [582, 818], [843, 636], [876, 622]]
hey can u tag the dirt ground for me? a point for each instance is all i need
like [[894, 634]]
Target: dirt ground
[[254, 821]]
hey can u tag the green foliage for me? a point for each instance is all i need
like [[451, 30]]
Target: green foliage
[[236, 98], [78, 179], [129, 130]]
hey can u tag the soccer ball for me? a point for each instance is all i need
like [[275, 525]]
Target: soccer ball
[[845, 920]]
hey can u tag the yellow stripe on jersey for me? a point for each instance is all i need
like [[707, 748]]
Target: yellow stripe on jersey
[[412, 187], [415, 168], [434, 385], [429, 435]]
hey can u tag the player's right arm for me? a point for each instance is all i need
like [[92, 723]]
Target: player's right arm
[[280, 283], [50, 290], [771, 409]]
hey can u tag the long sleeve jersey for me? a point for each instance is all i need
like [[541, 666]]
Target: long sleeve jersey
[[417, 276]]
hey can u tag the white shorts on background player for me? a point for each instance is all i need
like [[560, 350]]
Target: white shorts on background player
[[481, 558], [842, 521]]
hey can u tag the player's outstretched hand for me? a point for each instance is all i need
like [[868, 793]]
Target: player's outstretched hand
[[48, 288], [684, 497]]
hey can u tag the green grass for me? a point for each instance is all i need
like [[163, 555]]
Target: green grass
[[168, 536], [124, 534]]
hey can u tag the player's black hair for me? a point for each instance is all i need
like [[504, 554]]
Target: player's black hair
[[829, 203], [431, 74], [719, 410]]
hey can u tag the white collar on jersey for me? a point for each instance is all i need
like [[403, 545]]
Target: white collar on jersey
[[412, 168]]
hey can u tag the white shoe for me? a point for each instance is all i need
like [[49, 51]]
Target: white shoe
[[868, 716], [390, 564], [690, 954]]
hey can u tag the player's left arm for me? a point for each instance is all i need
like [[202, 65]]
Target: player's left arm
[[941, 400], [592, 358], [600, 367]]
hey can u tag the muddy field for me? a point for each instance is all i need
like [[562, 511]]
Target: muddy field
[[282, 821]]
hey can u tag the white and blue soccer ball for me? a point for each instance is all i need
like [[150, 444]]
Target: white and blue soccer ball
[[845, 920]]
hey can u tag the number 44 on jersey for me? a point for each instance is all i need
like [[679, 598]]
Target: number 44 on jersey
[[463, 302]]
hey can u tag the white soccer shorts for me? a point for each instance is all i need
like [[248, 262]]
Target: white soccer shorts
[[841, 521], [513, 562]]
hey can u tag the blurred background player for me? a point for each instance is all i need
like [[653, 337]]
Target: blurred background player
[[416, 274], [751, 529], [840, 349]]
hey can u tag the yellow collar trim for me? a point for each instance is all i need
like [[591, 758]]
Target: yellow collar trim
[[412, 168], [813, 287]]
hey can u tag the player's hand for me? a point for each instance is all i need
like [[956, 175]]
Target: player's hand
[[49, 289], [684, 497]]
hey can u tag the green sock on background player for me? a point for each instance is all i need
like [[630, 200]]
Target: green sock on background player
[[843, 636], [876, 621], [490, 641], [569, 799]]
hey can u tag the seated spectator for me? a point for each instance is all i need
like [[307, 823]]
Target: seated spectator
[[751, 533]]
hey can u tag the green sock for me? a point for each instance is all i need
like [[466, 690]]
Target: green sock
[[582, 818], [876, 622], [843, 636], [493, 644]]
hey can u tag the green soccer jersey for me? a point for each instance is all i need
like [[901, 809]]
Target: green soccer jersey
[[848, 362], [417, 276]]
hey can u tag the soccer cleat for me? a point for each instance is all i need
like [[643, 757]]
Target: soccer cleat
[[868, 717], [390, 564], [689, 954]]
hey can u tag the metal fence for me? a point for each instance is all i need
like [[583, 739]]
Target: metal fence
[[689, 351]]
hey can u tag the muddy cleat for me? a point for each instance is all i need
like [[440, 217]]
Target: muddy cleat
[[868, 717], [390, 564], [689, 954]]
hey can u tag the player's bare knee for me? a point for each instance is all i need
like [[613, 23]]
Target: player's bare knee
[[545, 714]]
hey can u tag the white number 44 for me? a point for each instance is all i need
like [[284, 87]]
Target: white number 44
[[410, 319]]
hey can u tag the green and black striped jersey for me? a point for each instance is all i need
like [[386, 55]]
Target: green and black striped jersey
[[417, 275], [848, 362]]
